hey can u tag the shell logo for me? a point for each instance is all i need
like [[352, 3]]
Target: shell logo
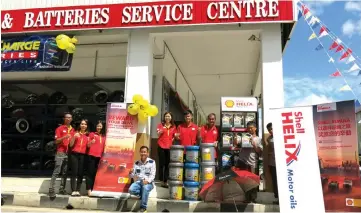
[[349, 202], [229, 103]]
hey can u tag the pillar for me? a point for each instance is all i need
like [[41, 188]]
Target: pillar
[[139, 78], [272, 83]]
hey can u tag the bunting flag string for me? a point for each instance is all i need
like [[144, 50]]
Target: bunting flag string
[[344, 54]]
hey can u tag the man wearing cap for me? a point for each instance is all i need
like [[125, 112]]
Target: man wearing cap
[[187, 132]]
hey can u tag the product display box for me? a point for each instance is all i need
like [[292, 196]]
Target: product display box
[[237, 120]]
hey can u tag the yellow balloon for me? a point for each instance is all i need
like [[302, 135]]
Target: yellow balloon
[[62, 44], [71, 49], [143, 105], [143, 117], [61, 37], [152, 110], [74, 40], [133, 109], [137, 98]]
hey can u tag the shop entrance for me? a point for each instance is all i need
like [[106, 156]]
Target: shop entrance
[[204, 66]]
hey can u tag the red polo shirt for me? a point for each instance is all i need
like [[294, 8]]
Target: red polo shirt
[[209, 135], [80, 144], [188, 134], [60, 132], [165, 140], [96, 149]]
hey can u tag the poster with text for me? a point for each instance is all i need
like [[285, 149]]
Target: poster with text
[[298, 175], [337, 144], [33, 53], [112, 178]]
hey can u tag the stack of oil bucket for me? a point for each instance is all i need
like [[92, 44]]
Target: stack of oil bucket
[[184, 174], [208, 164]]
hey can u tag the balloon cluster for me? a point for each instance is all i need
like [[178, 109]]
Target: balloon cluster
[[64, 42], [142, 108]]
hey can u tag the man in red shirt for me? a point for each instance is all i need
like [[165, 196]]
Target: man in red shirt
[[63, 135], [209, 132], [188, 131]]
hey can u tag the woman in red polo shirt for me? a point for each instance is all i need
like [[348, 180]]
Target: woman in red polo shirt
[[96, 148], [166, 131], [78, 145]]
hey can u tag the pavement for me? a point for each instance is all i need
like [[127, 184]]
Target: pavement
[[32, 192], [34, 209]]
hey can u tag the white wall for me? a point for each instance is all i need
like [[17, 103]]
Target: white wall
[[89, 61]]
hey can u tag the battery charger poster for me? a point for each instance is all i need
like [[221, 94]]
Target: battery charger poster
[[337, 143], [112, 178], [33, 53]]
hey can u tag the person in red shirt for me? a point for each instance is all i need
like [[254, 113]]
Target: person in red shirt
[[63, 135], [166, 131], [188, 131], [96, 148], [209, 132], [78, 145]]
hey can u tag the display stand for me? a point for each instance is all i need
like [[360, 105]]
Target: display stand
[[235, 113]]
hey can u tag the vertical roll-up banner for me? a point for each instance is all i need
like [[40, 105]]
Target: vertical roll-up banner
[[299, 182], [337, 143], [112, 178]]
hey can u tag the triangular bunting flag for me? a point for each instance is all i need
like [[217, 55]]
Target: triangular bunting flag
[[312, 36], [331, 60], [323, 32], [315, 25], [314, 20], [346, 88], [350, 59], [305, 10], [357, 73], [299, 14], [355, 67], [308, 15], [319, 47], [335, 44], [336, 74], [339, 48], [346, 54]]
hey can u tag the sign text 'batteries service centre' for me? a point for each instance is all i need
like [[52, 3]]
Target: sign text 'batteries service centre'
[[146, 14]]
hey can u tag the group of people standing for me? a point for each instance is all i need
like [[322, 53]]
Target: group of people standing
[[77, 149], [189, 134]]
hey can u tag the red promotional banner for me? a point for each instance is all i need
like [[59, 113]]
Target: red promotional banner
[[145, 14], [337, 143], [118, 157]]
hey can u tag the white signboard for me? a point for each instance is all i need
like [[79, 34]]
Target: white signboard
[[239, 104], [298, 172]]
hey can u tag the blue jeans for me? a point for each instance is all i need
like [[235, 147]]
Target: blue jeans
[[139, 189]]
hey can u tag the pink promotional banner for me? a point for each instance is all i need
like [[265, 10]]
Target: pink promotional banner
[[337, 145], [118, 157]]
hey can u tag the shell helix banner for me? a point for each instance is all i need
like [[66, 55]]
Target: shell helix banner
[[37, 53], [316, 151]]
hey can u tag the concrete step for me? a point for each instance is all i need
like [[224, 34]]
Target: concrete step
[[41, 185], [127, 205]]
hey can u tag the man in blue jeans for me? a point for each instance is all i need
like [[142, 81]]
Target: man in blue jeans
[[143, 174]]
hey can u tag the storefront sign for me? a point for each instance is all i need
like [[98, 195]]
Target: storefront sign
[[298, 174], [112, 177], [239, 104], [337, 144], [146, 14], [33, 53]]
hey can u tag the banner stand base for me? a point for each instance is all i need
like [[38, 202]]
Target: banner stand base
[[117, 195]]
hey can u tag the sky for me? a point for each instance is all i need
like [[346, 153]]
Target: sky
[[307, 71]]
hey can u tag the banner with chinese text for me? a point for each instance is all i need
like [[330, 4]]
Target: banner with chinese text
[[118, 158], [337, 144]]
